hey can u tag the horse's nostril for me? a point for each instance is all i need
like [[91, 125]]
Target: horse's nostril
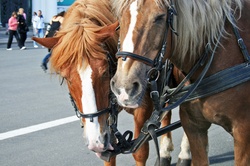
[[135, 88], [112, 83], [106, 140]]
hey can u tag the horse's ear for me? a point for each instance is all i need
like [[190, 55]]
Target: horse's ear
[[48, 42], [109, 30]]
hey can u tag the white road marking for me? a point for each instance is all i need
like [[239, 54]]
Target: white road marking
[[38, 127]]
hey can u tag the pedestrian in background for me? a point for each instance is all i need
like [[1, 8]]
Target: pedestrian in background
[[39, 25], [22, 27], [13, 24], [34, 28], [52, 28]]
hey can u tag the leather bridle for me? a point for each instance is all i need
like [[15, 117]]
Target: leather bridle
[[112, 100], [157, 63]]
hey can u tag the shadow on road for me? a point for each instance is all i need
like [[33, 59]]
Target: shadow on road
[[229, 156]]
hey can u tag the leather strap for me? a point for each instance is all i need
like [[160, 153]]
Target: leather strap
[[142, 59]]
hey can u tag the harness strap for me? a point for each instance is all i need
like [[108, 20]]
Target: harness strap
[[240, 41], [155, 118], [223, 80], [190, 74]]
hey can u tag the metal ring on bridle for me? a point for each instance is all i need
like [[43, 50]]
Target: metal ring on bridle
[[153, 74]]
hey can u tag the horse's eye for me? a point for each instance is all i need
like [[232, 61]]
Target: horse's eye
[[159, 18]]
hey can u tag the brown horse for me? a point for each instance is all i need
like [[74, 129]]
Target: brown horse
[[190, 28], [81, 53]]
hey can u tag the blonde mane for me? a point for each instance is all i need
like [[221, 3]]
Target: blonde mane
[[79, 39], [197, 22]]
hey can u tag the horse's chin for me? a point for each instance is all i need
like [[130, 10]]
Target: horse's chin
[[99, 154], [129, 104]]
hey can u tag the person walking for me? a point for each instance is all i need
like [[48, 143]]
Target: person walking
[[22, 27], [53, 27], [34, 28], [39, 25], [13, 24]]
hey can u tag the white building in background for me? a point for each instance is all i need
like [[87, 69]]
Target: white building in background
[[50, 8]]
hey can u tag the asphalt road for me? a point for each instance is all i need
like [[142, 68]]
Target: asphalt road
[[29, 97]]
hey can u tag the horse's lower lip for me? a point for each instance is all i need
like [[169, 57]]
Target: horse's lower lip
[[129, 105], [99, 154], [100, 150]]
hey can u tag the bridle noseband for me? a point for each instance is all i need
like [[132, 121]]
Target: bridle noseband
[[88, 116]]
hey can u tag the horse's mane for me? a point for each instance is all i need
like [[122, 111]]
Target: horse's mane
[[79, 39], [200, 22], [197, 22]]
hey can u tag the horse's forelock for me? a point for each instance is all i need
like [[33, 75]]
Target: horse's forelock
[[79, 34]]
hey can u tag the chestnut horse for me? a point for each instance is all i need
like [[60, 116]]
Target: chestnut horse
[[82, 53], [210, 32]]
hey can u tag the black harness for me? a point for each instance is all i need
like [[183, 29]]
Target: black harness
[[123, 140], [159, 77], [202, 87]]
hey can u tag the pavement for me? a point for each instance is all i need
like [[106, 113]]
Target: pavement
[[4, 37]]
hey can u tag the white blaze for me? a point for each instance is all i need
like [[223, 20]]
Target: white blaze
[[128, 44], [92, 129]]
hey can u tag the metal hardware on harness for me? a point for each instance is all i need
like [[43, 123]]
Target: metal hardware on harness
[[143, 136], [241, 73], [153, 74], [106, 156], [157, 62], [224, 79], [240, 41]]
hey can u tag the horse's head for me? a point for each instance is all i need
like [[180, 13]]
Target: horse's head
[[80, 55], [142, 28]]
